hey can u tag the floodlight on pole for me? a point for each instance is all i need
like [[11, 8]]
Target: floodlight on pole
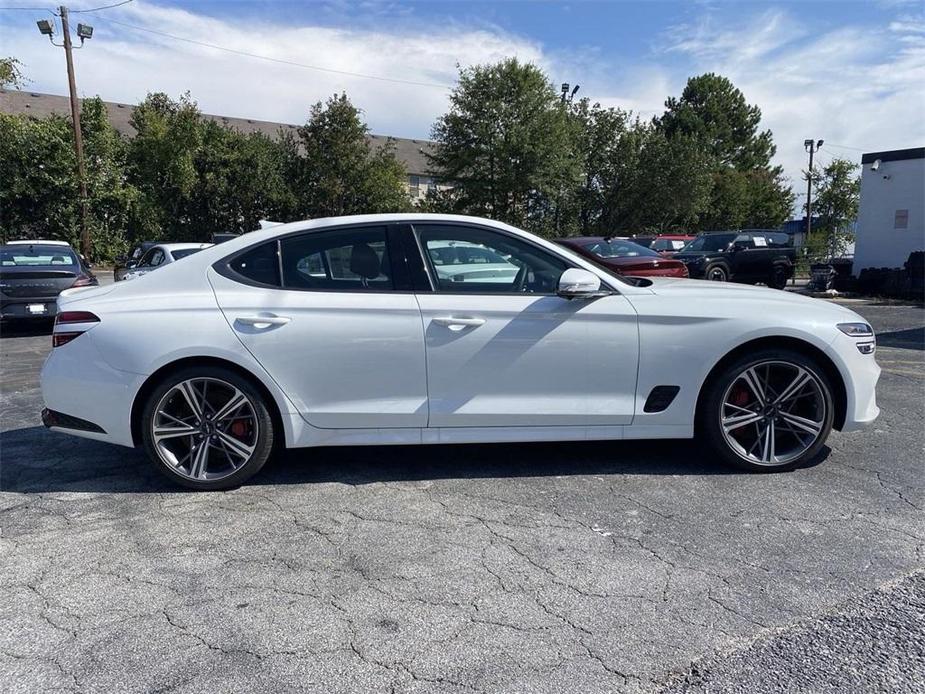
[[84, 31], [46, 27]]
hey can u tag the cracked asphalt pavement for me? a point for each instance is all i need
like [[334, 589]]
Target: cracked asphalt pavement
[[593, 567]]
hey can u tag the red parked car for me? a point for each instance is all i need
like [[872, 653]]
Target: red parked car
[[624, 256], [665, 244]]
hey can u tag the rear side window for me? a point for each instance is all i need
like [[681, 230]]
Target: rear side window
[[260, 264], [355, 259]]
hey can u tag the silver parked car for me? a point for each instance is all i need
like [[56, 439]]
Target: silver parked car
[[160, 255]]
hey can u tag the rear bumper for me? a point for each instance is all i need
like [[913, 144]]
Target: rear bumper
[[41, 307], [76, 379]]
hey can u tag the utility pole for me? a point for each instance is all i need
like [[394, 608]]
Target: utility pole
[[84, 31], [812, 147]]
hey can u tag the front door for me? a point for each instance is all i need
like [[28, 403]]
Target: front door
[[504, 350], [323, 313]]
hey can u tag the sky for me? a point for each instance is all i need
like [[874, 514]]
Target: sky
[[851, 73]]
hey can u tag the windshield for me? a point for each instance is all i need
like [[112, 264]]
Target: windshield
[[710, 242], [184, 252], [32, 256], [618, 248]]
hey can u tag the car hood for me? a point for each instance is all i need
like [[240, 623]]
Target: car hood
[[750, 297]]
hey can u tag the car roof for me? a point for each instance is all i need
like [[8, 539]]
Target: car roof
[[37, 242], [183, 246]]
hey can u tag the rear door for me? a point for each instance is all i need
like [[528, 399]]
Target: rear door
[[331, 316], [504, 350]]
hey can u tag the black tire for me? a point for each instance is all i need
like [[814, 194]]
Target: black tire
[[778, 277], [716, 273], [228, 477], [711, 410]]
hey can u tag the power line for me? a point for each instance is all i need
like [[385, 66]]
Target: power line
[[29, 9], [856, 149], [276, 60], [104, 7]]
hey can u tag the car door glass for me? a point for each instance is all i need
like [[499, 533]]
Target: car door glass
[[355, 259], [146, 259], [469, 259], [157, 257], [259, 264]]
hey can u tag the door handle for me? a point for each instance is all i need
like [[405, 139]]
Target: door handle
[[457, 324], [263, 321]]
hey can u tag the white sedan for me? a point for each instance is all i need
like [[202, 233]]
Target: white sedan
[[161, 255], [342, 331]]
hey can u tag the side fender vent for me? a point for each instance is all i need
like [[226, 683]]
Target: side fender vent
[[660, 398]]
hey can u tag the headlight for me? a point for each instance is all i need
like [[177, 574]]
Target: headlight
[[856, 329]]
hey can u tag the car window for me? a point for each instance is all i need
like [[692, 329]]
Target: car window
[[23, 256], [259, 264], [778, 240], [184, 252], [146, 258], [469, 259], [619, 248], [354, 259], [156, 257], [710, 242], [747, 241]]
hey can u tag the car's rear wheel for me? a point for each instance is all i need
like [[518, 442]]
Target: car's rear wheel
[[207, 428], [716, 273], [768, 411], [778, 277]]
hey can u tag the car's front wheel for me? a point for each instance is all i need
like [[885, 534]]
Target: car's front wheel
[[768, 411], [716, 273], [207, 428]]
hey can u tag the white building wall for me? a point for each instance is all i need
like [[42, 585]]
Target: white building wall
[[891, 196]]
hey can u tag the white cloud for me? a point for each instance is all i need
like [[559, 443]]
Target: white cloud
[[859, 87], [851, 85]]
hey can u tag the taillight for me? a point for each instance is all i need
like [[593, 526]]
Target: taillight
[[83, 281], [78, 321]]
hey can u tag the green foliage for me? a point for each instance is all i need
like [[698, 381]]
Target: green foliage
[[184, 177], [747, 190], [38, 187], [337, 172], [11, 74], [514, 152], [835, 202], [506, 145]]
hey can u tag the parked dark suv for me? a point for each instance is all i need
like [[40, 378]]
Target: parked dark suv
[[749, 257]]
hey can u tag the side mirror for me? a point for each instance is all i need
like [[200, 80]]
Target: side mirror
[[130, 264], [576, 283]]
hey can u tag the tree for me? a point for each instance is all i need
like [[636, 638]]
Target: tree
[[11, 74], [506, 146], [748, 191], [38, 185], [337, 172], [112, 200], [162, 165], [836, 199]]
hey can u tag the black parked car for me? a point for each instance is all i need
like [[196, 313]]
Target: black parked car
[[33, 273], [749, 257]]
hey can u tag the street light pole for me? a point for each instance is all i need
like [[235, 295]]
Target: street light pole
[[84, 31], [78, 138], [811, 146]]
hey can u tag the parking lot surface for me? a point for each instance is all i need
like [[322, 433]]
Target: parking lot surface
[[593, 567]]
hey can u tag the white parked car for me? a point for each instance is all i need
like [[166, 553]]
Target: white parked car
[[342, 332], [161, 255]]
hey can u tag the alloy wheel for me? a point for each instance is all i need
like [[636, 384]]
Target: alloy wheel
[[773, 412], [716, 274], [204, 428]]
